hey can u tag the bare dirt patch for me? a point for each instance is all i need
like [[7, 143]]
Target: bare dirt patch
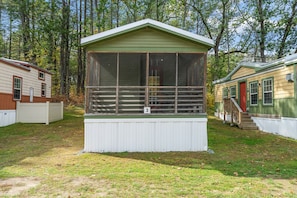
[[289, 186], [15, 186]]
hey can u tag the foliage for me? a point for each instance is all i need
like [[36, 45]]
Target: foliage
[[210, 102], [48, 32]]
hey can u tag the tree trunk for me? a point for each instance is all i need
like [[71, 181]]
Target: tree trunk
[[25, 24], [287, 30], [118, 10], [91, 17], [10, 38], [65, 51], [262, 30], [80, 73]]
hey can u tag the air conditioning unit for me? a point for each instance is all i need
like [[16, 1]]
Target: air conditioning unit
[[290, 77]]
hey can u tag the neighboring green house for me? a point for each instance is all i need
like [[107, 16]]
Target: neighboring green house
[[266, 91], [146, 89]]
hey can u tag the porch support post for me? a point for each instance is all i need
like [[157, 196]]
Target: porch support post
[[147, 80], [204, 83], [176, 83], [117, 83]]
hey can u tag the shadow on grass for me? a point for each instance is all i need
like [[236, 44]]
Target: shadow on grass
[[237, 153], [20, 141]]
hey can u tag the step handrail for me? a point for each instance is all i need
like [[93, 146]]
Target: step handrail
[[238, 109], [236, 105]]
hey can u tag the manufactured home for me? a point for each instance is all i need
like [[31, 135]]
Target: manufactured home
[[265, 93], [23, 82], [145, 89]]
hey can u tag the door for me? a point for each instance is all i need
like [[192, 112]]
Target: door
[[243, 96]]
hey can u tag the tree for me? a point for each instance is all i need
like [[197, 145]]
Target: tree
[[65, 50], [289, 13]]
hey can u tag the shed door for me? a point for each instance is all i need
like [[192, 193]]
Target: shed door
[[243, 96]]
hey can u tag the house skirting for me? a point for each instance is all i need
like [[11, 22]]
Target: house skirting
[[222, 116], [145, 134], [283, 126], [7, 117]]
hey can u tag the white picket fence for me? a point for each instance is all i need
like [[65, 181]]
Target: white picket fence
[[39, 112]]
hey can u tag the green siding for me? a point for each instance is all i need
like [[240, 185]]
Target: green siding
[[147, 40], [281, 107], [219, 106]]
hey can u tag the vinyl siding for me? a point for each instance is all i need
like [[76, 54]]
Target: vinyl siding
[[147, 39], [29, 79], [281, 108], [219, 90], [281, 87], [243, 71]]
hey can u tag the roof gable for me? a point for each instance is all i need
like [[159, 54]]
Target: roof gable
[[258, 67], [243, 71], [22, 65], [147, 23], [146, 39]]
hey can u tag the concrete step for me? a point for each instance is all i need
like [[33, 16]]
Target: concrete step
[[247, 123], [245, 127]]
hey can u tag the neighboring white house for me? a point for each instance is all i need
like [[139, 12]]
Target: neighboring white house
[[24, 82]]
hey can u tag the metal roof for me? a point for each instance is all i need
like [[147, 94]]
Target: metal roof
[[147, 23], [259, 66]]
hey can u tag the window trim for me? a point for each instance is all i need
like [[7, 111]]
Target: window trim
[[20, 88], [225, 90], [43, 89], [257, 93], [233, 87], [43, 74], [263, 92]]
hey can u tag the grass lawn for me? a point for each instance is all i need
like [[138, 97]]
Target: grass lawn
[[39, 160]]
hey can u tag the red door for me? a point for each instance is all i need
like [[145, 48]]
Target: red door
[[243, 96]]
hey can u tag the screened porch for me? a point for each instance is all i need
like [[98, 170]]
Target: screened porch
[[153, 83]]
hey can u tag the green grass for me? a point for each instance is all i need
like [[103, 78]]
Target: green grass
[[245, 163]]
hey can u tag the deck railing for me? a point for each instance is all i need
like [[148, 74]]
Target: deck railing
[[132, 100], [232, 108]]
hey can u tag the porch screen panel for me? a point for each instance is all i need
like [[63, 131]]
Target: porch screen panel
[[132, 73], [163, 66], [132, 69], [191, 76], [191, 69], [108, 68], [162, 82], [101, 98]]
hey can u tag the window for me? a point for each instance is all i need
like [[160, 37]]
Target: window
[[267, 91], [17, 88], [43, 89], [41, 75], [233, 92], [253, 93], [225, 92]]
